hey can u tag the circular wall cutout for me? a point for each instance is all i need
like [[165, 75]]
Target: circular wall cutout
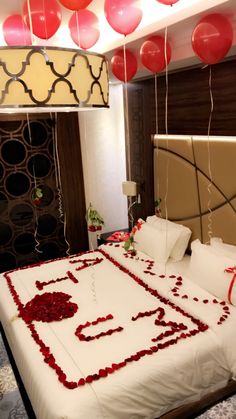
[[35, 133], [10, 126], [21, 214], [7, 261], [3, 202], [24, 243], [61, 235], [5, 233], [13, 152], [17, 184], [1, 171], [39, 165], [47, 196], [50, 250], [46, 225], [51, 148]]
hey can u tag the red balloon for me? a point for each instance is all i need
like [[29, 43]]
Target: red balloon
[[75, 4], [15, 31], [153, 55], [212, 38], [121, 61], [84, 28], [123, 15], [168, 2], [45, 17]]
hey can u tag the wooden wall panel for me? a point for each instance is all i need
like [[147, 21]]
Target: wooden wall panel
[[140, 146], [72, 180], [189, 100], [27, 150], [188, 113]]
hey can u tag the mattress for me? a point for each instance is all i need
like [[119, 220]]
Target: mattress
[[140, 340]]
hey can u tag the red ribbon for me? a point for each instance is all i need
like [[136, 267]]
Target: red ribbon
[[231, 271]]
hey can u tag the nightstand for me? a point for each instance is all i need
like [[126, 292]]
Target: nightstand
[[104, 237]]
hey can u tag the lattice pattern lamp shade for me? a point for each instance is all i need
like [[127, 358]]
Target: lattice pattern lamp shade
[[50, 79]]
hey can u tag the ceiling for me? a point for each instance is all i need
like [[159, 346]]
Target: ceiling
[[180, 20]]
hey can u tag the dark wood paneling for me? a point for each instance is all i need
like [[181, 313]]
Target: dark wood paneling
[[189, 100], [188, 112], [31, 229], [72, 180], [140, 145]]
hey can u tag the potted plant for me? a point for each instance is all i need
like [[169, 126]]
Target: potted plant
[[94, 219]]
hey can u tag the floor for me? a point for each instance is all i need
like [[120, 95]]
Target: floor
[[12, 406]]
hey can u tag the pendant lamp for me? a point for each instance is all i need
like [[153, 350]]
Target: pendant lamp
[[49, 79]]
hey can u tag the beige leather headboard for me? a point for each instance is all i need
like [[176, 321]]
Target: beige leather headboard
[[195, 177]]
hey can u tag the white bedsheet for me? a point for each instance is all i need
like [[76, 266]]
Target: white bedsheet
[[146, 388]]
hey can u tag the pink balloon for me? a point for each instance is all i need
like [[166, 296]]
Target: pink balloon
[[153, 55], [212, 38], [45, 17], [15, 31], [168, 2], [84, 28], [123, 15], [75, 4], [120, 62]]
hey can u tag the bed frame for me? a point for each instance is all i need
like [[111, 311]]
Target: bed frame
[[195, 177]]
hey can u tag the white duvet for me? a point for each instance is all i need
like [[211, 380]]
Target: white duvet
[[147, 384]]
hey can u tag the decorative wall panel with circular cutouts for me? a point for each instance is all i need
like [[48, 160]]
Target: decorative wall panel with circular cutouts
[[31, 226]]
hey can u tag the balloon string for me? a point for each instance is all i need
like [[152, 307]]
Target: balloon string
[[157, 132], [22, 15], [62, 214], [33, 40], [92, 275], [126, 104], [77, 27], [45, 23], [88, 190], [209, 226], [36, 248], [167, 139], [156, 106], [167, 86]]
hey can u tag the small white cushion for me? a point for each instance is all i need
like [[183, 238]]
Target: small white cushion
[[207, 269], [223, 248], [157, 244], [178, 251]]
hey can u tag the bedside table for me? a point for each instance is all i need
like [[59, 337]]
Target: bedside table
[[104, 237]]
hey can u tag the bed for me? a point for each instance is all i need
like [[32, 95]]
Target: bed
[[112, 334]]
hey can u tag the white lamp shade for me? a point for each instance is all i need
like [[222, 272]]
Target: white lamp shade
[[129, 188]]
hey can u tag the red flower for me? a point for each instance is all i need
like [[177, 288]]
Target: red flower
[[102, 373], [81, 382], [70, 384], [91, 228], [109, 332], [48, 307]]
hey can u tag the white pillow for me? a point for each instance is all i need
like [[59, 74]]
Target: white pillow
[[224, 248], [207, 269], [155, 243], [181, 244]]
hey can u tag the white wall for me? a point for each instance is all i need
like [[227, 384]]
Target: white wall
[[103, 153]]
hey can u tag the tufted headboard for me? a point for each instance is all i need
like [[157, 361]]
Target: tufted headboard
[[195, 177]]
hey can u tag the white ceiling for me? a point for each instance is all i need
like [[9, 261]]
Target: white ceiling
[[180, 20]]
